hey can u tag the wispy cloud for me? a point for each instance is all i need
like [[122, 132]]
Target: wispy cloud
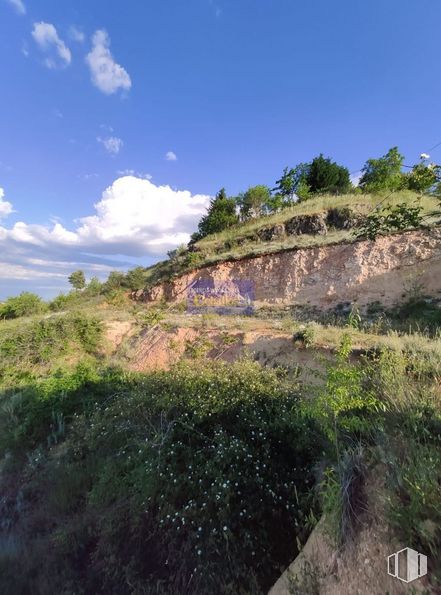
[[76, 34], [170, 156], [18, 5], [46, 37], [108, 76], [132, 172], [112, 144]]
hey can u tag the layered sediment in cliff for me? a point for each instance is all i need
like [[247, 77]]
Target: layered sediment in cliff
[[385, 270]]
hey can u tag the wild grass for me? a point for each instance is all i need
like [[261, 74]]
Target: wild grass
[[361, 203], [240, 241]]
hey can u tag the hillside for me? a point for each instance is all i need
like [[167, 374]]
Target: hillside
[[146, 448], [319, 221]]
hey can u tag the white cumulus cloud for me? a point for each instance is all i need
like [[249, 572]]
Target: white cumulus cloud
[[170, 156], [46, 37], [112, 144], [5, 206], [107, 75], [18, 5], [133, 218]]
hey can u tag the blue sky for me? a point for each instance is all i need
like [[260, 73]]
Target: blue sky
[[118, 119]]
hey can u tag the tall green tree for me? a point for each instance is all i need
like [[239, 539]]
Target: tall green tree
[[255, 202], [135, 279], [324, 175], [221, 214], [115, 280], [288, 186], [77, 280], [384, 173]]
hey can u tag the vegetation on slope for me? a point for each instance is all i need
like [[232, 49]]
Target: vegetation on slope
[[207, 478]]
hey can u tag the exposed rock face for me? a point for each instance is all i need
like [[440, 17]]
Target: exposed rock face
[[341, 218], [267, 234], [309, 224], [325, 276]]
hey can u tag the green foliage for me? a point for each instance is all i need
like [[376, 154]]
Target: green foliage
[[415, 503], [305, 335], [77, 280], [135, 279], [342, 494], [165, 471], [221, 214], [402, 216], [151, 317], [319, 176], [344, 404], [424, 177], [383, 173], [41, 341], [255, 202], [64, 301], [25, 304], [292, 181], [115, 280], [116, 297], [327, 176], [354, 318], [94, 287]]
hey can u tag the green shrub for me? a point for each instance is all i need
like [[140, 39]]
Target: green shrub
[[151, 317], [397, 218], [197, 476], [42, 341], [24, 304], [305, 335], [64, 301]]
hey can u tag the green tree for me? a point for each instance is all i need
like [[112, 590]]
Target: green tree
[[94, 287], [221, 214], [424, 177], [77, 280], [115, 280], [25, 304], [292, 180], [325, 175], [135, 279], [255, 202], [383, 173]]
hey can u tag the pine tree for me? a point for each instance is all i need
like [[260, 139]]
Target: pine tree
[[221, 214]]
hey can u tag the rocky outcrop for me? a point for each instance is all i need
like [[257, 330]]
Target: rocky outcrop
[[307, 224], [268, 234], [360, 273], [342, 218]]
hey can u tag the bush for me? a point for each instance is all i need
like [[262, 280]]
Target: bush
[[383, 173], [64, 301], [398, 218], [41, 341], [172, 468], [24, 304]]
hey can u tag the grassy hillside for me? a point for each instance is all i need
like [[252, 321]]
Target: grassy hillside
[[248, 239], [207, 478]]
